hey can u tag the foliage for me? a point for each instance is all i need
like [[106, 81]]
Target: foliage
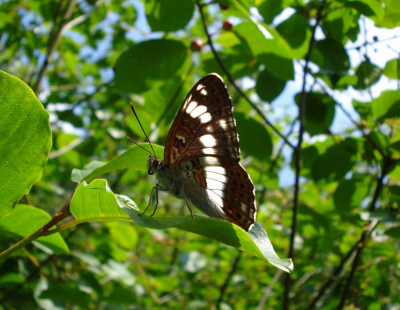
[[327, 195]]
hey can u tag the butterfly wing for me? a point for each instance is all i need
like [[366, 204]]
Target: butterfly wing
[[204, 124], [226, 189], [203, 145]]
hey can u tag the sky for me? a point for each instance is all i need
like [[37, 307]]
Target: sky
[[283, 105]]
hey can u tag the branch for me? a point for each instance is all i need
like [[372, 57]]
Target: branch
[[53, 42], [228, 279], [359, 126], [385, 169], [59, 216], [268, 290], [230, 78], [297, 151]]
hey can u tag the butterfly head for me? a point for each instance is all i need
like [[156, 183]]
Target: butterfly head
[[154, 164]]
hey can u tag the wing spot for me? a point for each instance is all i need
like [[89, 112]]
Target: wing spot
[[238, 215], [203, 92], [191, 107], [206, 117], [234, 182], [242, 185], [199, 110], [238, 174], [200, 86]]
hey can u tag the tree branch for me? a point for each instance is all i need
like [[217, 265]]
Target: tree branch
[[53, 42], [297, 150], [228, 279], [230, 78], [385, 169]]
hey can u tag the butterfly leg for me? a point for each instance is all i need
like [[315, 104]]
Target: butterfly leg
[[156, 188], [189, 204]]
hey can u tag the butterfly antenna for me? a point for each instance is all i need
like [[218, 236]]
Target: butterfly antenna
[[139, 145], [133, 110]]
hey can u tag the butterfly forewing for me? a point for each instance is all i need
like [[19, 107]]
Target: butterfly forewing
[[204, 124]]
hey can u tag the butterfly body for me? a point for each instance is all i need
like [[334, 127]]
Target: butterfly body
[[201, 157]]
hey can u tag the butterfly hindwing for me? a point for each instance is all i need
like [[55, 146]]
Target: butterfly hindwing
[[204, 124], [227, 185]]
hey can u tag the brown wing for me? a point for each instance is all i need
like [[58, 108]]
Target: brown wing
[[204, 124], [228, 187]]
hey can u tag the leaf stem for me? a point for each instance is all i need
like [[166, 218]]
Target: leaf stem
[[230, 78], [297, 151]]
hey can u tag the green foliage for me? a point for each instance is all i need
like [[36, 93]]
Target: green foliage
[[87, 62], [25, 140]]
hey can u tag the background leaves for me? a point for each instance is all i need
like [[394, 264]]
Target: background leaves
[[86, 60]]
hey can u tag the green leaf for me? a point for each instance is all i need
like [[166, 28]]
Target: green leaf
[[269, 87], [269, 9], [68, 293], [168, 15], [96, 201], [249, 142], [133, 158], [262, 40], [320, 111], [367, 7], [78, 175], [393, 232], [123, 235], [368, 74], [25, 220], [149, 62], [350, 193], [335, 162], [332, 58], [392, 15], [296, 31], [392, 69], [25, 140], [387, 105]]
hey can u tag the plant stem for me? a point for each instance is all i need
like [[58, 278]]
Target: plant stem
[[297, 151]]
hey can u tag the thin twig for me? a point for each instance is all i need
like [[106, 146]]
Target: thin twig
[[53, 42], [359, 126], [228, 279], [278, 154], [268, 290], [297, 151], [385, 169], [230, 78]]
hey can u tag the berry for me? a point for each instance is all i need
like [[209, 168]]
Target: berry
[[196, 45]]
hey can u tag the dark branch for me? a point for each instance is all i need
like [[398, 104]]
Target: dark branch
[[53, 41], [230, 78], [385, 169], [228, 279], [297, 151]]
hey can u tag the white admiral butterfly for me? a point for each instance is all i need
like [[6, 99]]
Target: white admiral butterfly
[[201, 157]]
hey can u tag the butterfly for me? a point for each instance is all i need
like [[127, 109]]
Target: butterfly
[[201, 157]]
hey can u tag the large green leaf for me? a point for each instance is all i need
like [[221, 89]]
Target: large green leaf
[[254, 137], [368, 74], [350, 193], [387, 105], [146, 63], [168, 15], [335, 162], [320, 111], [268, 87], [367, 7], [96, 201], [134, 158], [25, 220], [296, 31], [25, 140]]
